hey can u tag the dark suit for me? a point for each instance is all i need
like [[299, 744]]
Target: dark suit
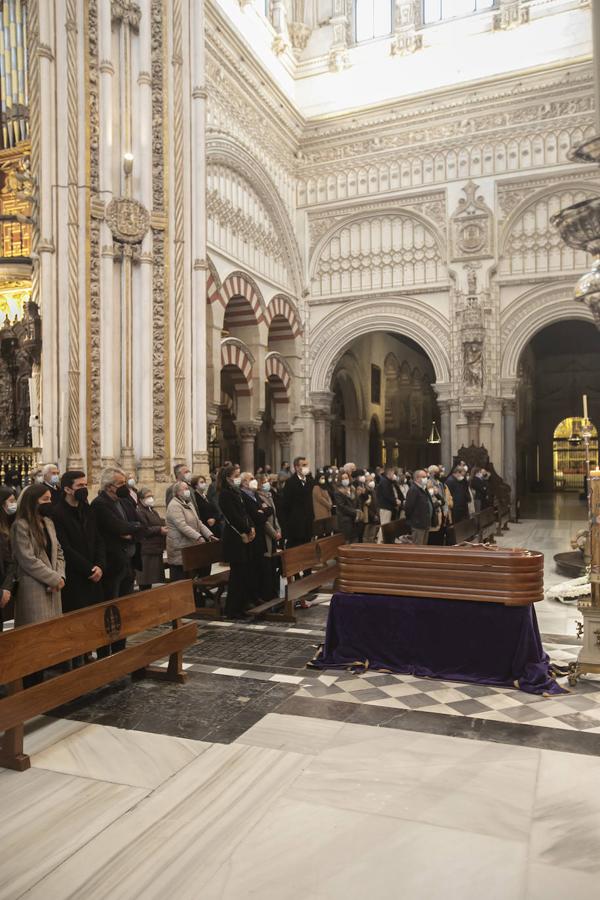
[[296, 510], [460, 498], [78, 534], [113, 523], [418, 508], [238, 554]]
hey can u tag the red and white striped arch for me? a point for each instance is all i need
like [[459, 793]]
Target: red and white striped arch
[[283, 319], [237, 360], [242, 300], [279, 378], [213, 286]]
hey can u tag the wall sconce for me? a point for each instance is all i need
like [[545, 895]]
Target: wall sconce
[[128, 163]]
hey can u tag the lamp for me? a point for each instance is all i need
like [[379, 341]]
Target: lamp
[[434, 436]]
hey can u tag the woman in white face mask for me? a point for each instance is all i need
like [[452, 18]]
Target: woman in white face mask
[[184, 528], [8, 569], [207, 511], [348, 512], [153, 542], [260, 513]]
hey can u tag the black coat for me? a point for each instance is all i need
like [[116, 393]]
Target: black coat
[[460, 497], [153, 540], [386, 495], [258, 513], [346, 509], [236, 523], [79, 536], [296, 511], [206, 510], [112, 527], [419, 508], [480, 489]]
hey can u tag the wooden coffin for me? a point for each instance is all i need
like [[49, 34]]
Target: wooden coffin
[[485, 575]]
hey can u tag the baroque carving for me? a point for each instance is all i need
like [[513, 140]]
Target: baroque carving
[[128, 220], [511, 13], [160, 287], [226, 214], [94, 371], [126, 11], [471, 226]]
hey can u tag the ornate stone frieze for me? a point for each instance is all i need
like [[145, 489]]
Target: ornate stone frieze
[[128, 220], [512, 193], [226, 214], [407, 19], [432, 205], [471, 226], [158, 221], [126, 11], [511, 13]]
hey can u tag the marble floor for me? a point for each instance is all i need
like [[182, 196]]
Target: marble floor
[[260, 778], [296, 807]]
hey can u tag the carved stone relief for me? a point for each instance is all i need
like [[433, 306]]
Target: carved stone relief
[[471, 226]]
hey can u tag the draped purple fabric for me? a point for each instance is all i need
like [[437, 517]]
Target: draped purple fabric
[[455, 640]]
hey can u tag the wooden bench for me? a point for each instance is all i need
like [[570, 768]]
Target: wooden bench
[[486, 525], [43, 645], [206, 587], [324, 527], [394, 529], [466, 530]]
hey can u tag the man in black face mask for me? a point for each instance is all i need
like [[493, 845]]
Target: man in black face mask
[[118, 533], [83, 547]]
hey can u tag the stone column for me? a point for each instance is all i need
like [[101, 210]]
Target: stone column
[[473, 421], [509, 450], [322, 401], [445, 434], [247, 432], [285, 443], [198, 238]]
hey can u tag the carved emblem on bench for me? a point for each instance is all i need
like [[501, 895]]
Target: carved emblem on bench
[[112, 621]]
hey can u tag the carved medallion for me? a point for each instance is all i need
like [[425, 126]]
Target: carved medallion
[[112, 621], [471, 230], [128, 220]]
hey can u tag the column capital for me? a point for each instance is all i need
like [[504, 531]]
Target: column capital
[[509, 406], [247, 431]]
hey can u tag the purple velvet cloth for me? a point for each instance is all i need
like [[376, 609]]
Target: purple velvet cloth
[[456, 640]]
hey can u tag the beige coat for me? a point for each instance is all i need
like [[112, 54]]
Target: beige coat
[[184, 529], [272, 526], [36, 573], [322, 502]]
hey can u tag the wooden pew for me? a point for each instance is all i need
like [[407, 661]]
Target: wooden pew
[[486, 525], [320, 557], [206, 587], [324, 527], [466, 530], [394, 529], [40, 646]]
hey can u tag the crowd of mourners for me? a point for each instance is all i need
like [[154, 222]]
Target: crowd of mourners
[[59, 552]]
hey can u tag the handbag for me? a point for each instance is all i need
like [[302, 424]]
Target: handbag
[[245, 538]]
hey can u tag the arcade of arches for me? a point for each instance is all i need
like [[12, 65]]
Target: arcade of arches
[[321, 262]]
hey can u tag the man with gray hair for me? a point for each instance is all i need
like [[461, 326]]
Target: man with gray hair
[[182, 473], [51, 478], [118, 534]]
